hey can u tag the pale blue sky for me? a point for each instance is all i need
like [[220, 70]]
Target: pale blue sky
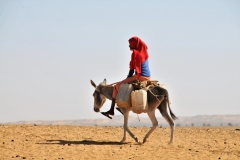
[[49, 51]]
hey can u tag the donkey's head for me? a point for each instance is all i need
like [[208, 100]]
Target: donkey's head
[[99, 98]]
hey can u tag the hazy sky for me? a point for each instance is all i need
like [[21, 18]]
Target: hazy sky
[[49, 51]]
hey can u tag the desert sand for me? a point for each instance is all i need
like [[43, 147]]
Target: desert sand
[[53, 142]]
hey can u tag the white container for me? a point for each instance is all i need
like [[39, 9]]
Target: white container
[[123, 98], [139, 101]]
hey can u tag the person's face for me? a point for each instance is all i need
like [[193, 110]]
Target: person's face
[[130, 47]]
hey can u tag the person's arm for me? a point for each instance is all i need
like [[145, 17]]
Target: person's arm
[[130, 74]]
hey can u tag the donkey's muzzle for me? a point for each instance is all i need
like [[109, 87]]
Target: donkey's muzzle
[[96, 109]]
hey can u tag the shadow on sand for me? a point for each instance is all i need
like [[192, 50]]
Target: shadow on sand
[[84, 142]]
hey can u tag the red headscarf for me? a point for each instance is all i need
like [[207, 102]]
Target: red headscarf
[[139, 54]]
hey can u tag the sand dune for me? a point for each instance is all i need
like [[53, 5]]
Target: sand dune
[[100, 143]]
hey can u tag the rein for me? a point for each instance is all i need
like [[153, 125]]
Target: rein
[[111, 84], [100, 90], [108, 85]]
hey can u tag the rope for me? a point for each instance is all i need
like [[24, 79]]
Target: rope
[[108, 85], [111, 84], [138, 118], [154, 95]]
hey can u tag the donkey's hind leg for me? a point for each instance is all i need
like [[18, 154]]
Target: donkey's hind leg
[[163, 107], [153, 118]]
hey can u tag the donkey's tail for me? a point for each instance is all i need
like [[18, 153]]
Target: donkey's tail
[[166, 99], [172, 114], [170, 110]]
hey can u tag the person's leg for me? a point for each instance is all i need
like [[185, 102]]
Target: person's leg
[[115, 92], [117, 86], [143, 78]]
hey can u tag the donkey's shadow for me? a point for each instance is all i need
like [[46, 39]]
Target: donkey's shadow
[[83, 142]]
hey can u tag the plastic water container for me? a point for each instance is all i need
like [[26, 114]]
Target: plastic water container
[[139, 101], [123, 98]]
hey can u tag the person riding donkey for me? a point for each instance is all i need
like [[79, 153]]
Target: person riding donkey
[[139, 63]]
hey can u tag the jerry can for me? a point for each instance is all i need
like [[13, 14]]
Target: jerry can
[[123, 98], [139, 101]]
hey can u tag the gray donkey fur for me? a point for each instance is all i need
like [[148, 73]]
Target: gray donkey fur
[[157, 99]]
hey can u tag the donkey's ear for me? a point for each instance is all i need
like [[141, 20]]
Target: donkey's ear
[[93, 84], [105, 81]]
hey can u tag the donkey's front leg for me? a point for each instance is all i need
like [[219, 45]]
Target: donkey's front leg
[[125, 126], [153, 118]]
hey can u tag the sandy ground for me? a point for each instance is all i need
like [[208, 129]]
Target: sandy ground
[[50, 142]]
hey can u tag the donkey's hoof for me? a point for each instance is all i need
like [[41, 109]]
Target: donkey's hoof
[[123, 140], [136, 139], [171, 142], [144, 140]]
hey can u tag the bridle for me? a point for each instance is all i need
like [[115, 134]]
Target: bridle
[[99, 90]]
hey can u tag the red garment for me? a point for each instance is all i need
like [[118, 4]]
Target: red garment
[[127, 80], [139, 54]]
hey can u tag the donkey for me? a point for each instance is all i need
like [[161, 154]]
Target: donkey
[[157, 98]]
